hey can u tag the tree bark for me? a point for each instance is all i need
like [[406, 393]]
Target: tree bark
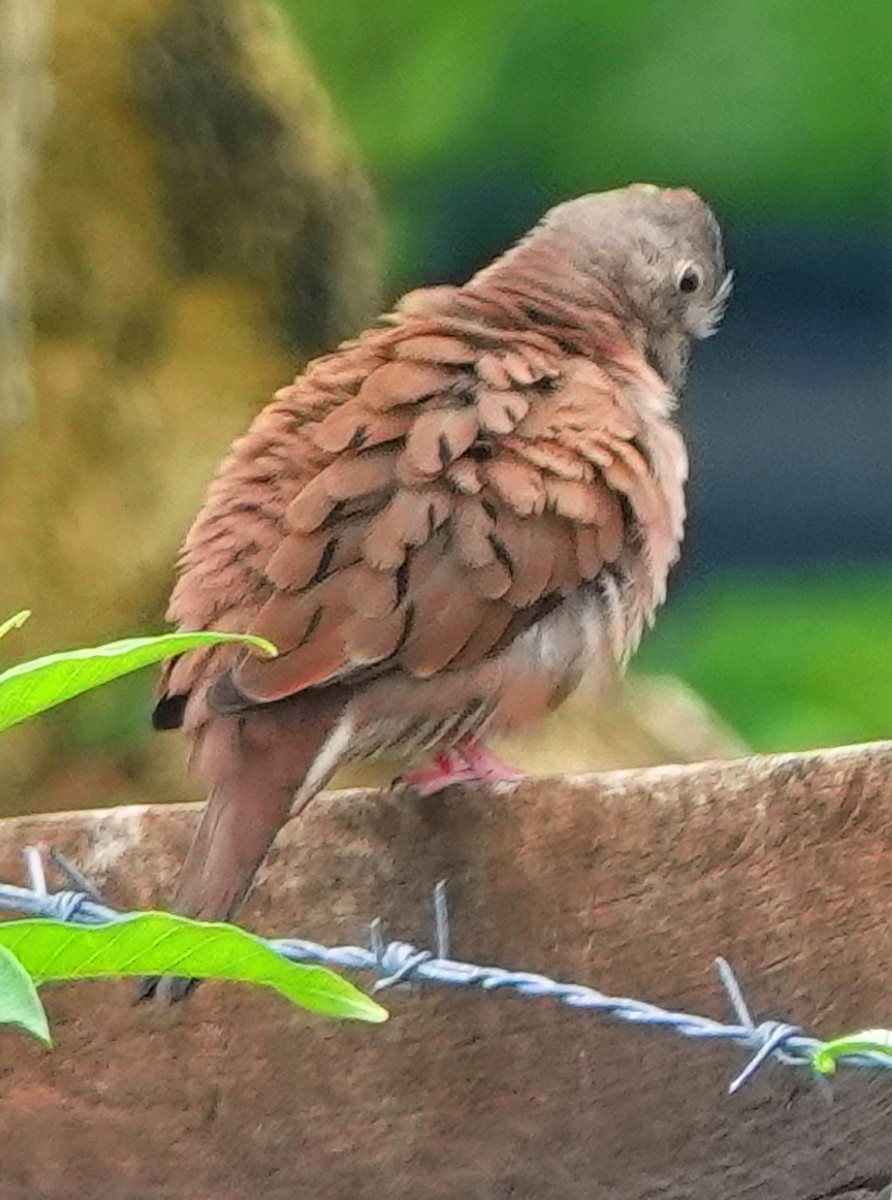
[[24, 104]]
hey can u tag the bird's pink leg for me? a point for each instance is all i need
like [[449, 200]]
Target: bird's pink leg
[[469, 761], [447, 768], [484, 764]]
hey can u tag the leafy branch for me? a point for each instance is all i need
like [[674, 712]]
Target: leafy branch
[[33, 952]]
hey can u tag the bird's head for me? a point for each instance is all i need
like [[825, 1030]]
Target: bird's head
[[655, 256]]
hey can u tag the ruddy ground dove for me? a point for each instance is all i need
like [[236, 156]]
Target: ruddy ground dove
[[442, 524]]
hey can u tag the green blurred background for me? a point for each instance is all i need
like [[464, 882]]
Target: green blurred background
[[476, 115], [776, 109]]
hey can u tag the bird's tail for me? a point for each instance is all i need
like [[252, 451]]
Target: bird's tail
[[259, 766]]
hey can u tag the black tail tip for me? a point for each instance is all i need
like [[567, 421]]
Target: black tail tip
[[169, 712]]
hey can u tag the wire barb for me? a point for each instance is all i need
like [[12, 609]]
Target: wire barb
[[735, 995], [376, 940], [441, 919], [34, 866], [77, 879], [768, 1039]]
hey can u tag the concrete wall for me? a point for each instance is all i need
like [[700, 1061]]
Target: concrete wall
[[631, 881]]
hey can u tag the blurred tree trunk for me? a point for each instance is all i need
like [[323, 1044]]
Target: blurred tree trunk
[[24, 101], [189, 229], [198, 228]]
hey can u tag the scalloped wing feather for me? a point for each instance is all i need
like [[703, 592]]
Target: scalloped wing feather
[[421, 551]]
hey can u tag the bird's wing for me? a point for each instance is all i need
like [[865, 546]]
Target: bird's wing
[[468, 492]]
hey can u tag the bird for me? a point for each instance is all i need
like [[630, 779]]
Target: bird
[[442, 525]]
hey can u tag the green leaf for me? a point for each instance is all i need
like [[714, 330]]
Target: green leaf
[[15, 622], [870, 1041], [29, 688], [19, 1001], [158, 943]]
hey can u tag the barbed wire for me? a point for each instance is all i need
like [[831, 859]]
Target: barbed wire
[[401, 962]]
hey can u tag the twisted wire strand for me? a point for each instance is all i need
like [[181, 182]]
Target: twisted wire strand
[[400, 962]]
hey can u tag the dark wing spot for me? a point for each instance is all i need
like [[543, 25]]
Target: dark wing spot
[[402, 581], [312, 626], [325, 561], [334, 515], [501, 552], [407, 629]]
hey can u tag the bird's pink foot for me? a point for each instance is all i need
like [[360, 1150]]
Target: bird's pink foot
[[447, 768], [485, 764], [469, 761]]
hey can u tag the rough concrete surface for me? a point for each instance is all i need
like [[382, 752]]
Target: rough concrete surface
[[631, 881]]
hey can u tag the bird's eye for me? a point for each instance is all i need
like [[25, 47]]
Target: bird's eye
[[689, 279]]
